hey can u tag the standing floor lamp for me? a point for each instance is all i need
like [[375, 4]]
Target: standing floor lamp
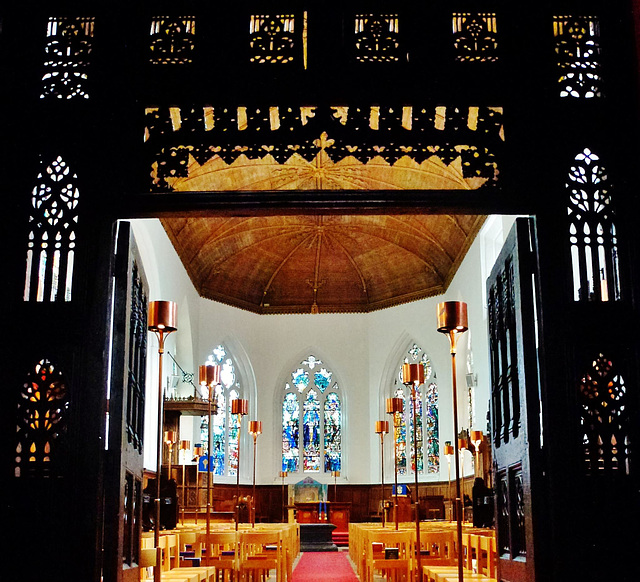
[[170, 439], [395, 406], [413, 375], [452, 320], [382, 428], [184, 447], [163, 320], [209, 376], [283, 475], [240, 408], [476, 439], [448, 452], [255, 428], [197, 453]]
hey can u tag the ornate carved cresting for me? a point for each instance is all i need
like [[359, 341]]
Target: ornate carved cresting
[[217, 148], [592, 231], [475, 36], [172, 40], [68, 48], [41, 422], [604, 419], [578, 53], [52, 235]]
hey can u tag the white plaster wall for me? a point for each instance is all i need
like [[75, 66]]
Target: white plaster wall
[[363, 350]]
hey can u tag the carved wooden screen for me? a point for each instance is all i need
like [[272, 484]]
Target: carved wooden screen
[[123, 503], [515, 402]]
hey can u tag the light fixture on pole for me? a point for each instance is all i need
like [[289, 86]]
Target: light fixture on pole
[[395, 406], [209, 376], [184, 447], [452, 320], [382, 428], [413, 376], [283, 474], [476, 439], [170, 439], [240, 408], [462, 447], [335, 475], [163, 320], [197, 453], [255, 428], [448, 452]]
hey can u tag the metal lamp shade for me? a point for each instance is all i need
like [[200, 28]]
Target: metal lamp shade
[[239, 406], [255, 427], [448, 449], [170, 436], [394, 405], [452, 317], [163, 316], [382, 426], [209, 374], [185, 445], [412, 374]]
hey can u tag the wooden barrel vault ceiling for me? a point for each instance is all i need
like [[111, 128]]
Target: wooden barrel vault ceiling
[[322, 264]]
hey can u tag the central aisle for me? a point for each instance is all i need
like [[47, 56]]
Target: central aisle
[[324, 567]]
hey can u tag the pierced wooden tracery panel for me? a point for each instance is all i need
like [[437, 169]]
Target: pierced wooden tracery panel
[[578, 52], [377, 38], [272, 38], [592, 231], [604, 419], [52, 237], [172, 40], [68, 48], [41, 423], [475, 36]]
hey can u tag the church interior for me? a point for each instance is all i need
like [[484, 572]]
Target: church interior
[[284, 280]]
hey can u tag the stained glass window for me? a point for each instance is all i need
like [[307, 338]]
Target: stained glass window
[[426, 422], [321, 448], [592, 231], [225, 433], [172, 40]]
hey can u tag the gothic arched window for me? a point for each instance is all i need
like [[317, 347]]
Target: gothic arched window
[[592, 231], [225, 433], [313, 393], [426, 422]]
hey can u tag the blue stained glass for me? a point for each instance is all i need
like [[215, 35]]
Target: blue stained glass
[[234, 436], [400, 434], [332, 433], [322, 379], [311, 456], [290, 433], [433, 436], [300, 379], [416, 437], [218, 435]]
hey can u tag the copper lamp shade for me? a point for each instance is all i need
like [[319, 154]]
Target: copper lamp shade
[[448, 448], [163, 316], [476, 436], [255, 426], [382, 426], [412, 374], [452, 317], [185, 445], [239, 406], [170, 436], [209, 374], [197, 451], [394, 405]]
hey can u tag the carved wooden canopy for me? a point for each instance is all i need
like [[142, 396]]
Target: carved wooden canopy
[[321, 264]]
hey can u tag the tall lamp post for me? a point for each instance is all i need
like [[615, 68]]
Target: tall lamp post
[[452, 320], [184, 447], [170, 439], [476, 439], [163, 320], [413, 375], [395, 406], [255, 428], [209, 376], [448, 452], [197, 453], [283, 475], [335, 475], [240, 408], [382, 428]]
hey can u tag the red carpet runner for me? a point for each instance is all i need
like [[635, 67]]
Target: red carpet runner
[[324, 567]]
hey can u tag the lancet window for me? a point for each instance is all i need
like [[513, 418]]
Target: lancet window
[[172, 40], [592, 231], [52, 234], [377, 38], [312, 420], [424, 424], [225, 431], [475, 36]]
